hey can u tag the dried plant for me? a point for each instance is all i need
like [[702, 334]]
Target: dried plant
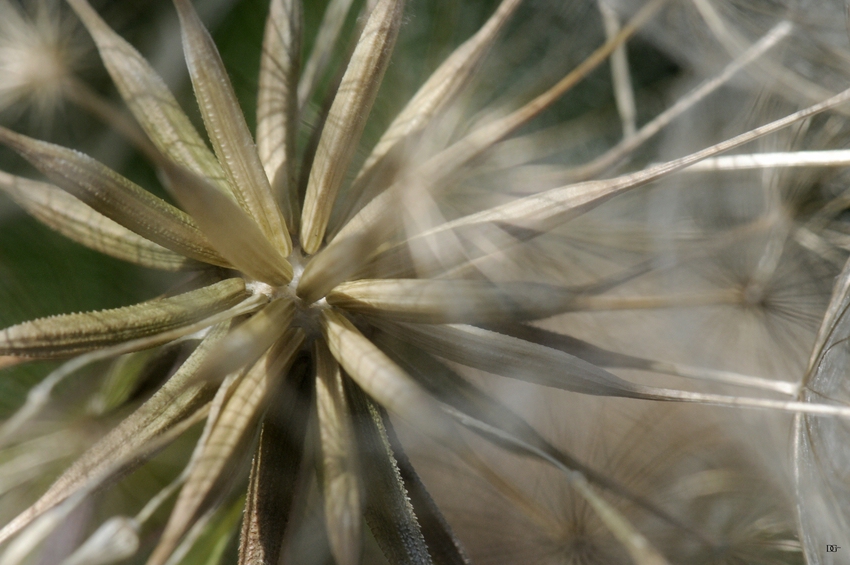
[[332, 291]]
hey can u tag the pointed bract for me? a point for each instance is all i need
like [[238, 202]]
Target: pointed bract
[[149, 99], [347, 119], [69, 334], [277, 104], [516, 358], [443, 547], [388, 510], [227, 129], [450, 302], [62, 212], [379, 377], [340, 472], [441, 88], [116, 197], [227, 439], [248, 341], [229, 229], [275, 471], [438, 169]]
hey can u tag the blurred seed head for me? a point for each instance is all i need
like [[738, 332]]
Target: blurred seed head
[[39, 48], [729, 511]]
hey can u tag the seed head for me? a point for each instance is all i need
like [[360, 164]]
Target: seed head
[[37, 55], [333, 295]]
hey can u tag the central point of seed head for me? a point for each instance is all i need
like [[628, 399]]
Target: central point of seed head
[[298, 262], [754, 294], [306, 313]]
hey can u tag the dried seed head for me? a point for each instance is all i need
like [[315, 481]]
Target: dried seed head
[[323, 314], [38, 51]]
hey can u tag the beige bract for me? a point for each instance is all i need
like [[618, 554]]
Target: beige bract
[[329, 298]]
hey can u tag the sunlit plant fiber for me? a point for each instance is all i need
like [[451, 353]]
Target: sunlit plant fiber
[[334, 295]]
